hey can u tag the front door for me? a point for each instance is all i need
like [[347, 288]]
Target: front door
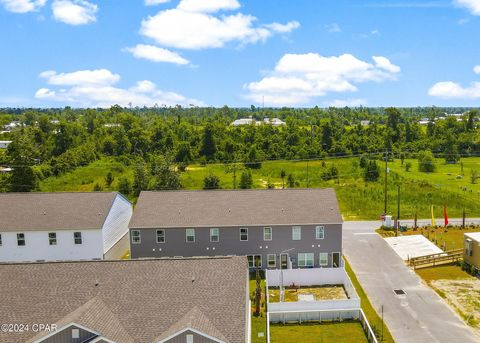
[[336, 260], [283, 261]]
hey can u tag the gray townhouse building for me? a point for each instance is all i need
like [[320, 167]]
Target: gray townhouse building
[[278, 228]]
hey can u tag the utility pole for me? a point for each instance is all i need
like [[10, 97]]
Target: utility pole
[[398, 209], [308, 179], [382, 323], [386, 177]]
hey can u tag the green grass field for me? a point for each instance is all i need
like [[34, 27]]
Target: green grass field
[[447, 272], [346, 332], [359, 200]]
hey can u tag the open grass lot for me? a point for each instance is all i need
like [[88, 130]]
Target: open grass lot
[[459, 289], [450, 238], [259, 324], [346, 332], [319, 293], [373, 318], [359, 200]]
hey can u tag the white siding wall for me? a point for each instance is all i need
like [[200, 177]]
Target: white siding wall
[[38, 248], [116, 224]]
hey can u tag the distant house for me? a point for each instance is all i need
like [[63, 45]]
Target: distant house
[[144, 301], [5, 144], [63, 226], [266, 121], [243, 121], [472, 249], [290, 228], [274, 122], [365, 122]]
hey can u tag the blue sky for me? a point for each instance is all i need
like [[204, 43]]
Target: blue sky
[[239, 52]]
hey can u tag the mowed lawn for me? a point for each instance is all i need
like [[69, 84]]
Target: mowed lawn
[[345, 332], [447, 272]]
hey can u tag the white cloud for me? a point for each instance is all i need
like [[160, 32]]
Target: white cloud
[[99, 77], [472, 5], [23, 6], [74, 12], [385, 64], [192, 26], [453, 90], [100, 91], [155, 54], [347, 103], [299, 78], [333, 27], [209, 6], [155, 2]]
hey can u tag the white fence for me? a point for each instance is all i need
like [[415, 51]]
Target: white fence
[[300, 311]]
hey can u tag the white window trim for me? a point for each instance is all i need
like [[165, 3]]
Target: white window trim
[[320, 259], [139, 237], [74, 238], [254, 264], [55, 238], [271, 233], [243, 228], [306, 260], [164, 236], [24, 240], [218, 235], [186, 235], [317, 230], [189, 338], [274, 260], [294, 228]]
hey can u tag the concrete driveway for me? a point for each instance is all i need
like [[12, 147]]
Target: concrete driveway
[[421, 315]]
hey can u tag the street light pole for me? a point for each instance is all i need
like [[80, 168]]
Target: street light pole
[[386, 178]]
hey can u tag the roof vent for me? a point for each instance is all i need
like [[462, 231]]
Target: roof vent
[[97, 283], [44, 213], [193, 278]]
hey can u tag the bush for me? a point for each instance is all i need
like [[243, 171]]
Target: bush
[[426, 162], [211, 182], [408, 166], [372, 172], [246, 180]]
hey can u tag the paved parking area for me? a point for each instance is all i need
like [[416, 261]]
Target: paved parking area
[[412, 246], [420, 316]]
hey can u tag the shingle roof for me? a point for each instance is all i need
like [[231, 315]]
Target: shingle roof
[[194, 319], [235, 207], [135, 300], [44, 211]]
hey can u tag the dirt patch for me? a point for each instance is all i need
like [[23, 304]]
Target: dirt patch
[[330, 292], [464, 295]]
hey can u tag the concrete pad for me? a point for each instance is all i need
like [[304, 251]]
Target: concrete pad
[[412, 246], [306, 297]]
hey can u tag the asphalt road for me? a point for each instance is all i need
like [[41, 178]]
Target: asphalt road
[[421, 315]]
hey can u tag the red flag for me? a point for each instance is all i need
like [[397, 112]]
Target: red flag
[[445, 216]]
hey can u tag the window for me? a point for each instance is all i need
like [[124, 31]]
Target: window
[[160, 236], [254, 261], [20, 239], [214, 235], [267, 233], [52, 238], [319, 232], [136, 239], [0, 240], [189, 338], [77, 238], [190, 235], [305, 260], [244, 234], [323, 259], [296, 233], [75, 333], [271, 260]]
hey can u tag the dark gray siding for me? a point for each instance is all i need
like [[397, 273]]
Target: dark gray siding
[[182, 338], [66, 336], [230, 243]]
